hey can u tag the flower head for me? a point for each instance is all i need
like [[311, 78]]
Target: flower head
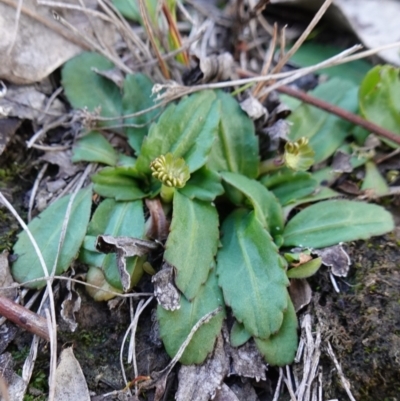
[[171, 171], [299, 155]]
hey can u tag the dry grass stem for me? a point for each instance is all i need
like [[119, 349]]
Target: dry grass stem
[[133, 41], [278, 386], [342, 377], [303, 36], [309, 351], [93, 45], [150, 34], [82, 8], [334, 283], [58, 122], [34, 190], [49, 102], [84, 283], [132, 329], [268, 60]]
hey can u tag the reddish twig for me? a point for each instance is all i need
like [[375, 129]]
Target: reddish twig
[[344, 114], [24, 318]]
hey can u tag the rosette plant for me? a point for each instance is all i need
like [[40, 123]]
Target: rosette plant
[[228, 222]]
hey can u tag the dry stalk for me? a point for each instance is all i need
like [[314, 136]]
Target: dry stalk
[[29, 363], [342, 377], [82, 8], [73, 280], [93, 45], [132, 329], [268, 59], [126, 31], [150, 34], [23, 317], [34, 190], [303, 36]]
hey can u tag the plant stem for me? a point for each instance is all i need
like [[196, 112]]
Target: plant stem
[[269, 165], [167, 193], [344, 114]]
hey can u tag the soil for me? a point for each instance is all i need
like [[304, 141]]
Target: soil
[[363, 321]]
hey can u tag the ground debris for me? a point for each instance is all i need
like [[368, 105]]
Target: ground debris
[[200, 382], [164, 288]]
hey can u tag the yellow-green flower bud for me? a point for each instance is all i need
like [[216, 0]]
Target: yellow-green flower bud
[[171, 171], [299, 155]]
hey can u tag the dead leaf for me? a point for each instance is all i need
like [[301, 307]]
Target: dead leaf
[[6, 279], [26, 102], [336, 258], [164, 289], [303, 258], [124, 247], [341, 162], [276, 133], [16, 388], [70, 306], [214, 68], [127, 245], [244, 391], [158, 225], [201, 382], [247, 361], [62, 159], [300, 293], [70, 382], [115, 75], [41, 43], [225, 394], [253, 108], [55, 186], [8, 127], [6, 366], [8, 331]]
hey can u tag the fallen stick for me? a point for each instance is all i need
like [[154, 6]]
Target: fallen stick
[[24, 318]]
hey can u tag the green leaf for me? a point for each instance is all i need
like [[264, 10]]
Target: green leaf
[[251, 275], [85, 88], [192, 242], [186, 130], [321, 193], [280, 349], [130, 8], [46, 229], [379, 98], [137, 96], [311, 53], [239, 335], [119, 219], [110, 183], [236, 146], [204, 185], [175, 326], [330, 222], [93, 147], [306, 269], [289, 186], [373, 181], [325, 130], [266, 206]]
